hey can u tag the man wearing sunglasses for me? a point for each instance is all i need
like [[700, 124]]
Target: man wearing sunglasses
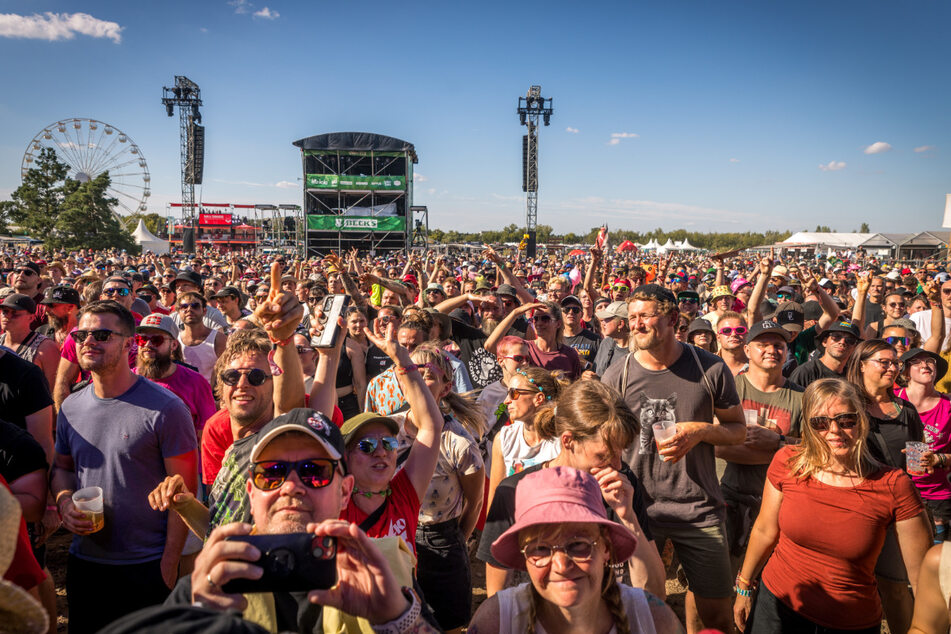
[[776, 404], [26, 281], [189, 281], [582, 339], [299, 482], [201, 345], [837, 343], [124, 434], [615, 332]]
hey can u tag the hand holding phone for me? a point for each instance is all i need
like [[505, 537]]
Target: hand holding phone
[[294, 562]]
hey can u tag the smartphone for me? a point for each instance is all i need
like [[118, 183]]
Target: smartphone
[[331, 310], [294, 562]]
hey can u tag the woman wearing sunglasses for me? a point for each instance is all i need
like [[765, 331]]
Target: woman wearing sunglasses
[[453, 500], [563, 539], [827, 505], [519, 445], [547, 349]]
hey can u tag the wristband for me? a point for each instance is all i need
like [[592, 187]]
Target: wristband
[[405, 622], [741, 592], [278, 342], [59, 496], [404, 369]]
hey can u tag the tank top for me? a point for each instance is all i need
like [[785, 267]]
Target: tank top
[[202, 356], [514, 604], [30, 346], [344, 369], [518, 455]]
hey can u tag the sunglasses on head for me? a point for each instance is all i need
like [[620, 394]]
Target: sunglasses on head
[[191, 305], [315, 473], [846, 420], [103, 334], [369, 444], [727, 331], [255, 376], [155, 340], [120, 291]]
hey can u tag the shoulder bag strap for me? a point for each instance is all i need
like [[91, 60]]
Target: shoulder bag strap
[[706, 379], [375, 516]]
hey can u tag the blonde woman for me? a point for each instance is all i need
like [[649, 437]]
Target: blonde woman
[[827, 505]]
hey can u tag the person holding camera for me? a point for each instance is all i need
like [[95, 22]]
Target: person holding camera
[[299, 483]]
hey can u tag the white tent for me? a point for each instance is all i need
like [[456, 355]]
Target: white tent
[[148, 240], [669, 245], [686, 246]]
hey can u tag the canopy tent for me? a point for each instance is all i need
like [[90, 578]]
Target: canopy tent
[[627, 245], [686, 246], [651, 244], [669, 245], [148, 240], [574, 252]]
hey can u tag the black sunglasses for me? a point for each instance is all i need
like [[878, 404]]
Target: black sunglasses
[[571, 309], [315, 473], [370, 443], [846, 420], [26, 272], [103, 334], [255, 376], [192, 305]]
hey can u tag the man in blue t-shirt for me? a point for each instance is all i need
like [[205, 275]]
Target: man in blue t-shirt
[[124, 434]]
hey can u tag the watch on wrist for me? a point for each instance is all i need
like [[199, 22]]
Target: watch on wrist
[[404, 622]]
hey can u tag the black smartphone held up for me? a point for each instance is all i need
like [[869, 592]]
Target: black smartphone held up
[[294, 562], [331, 309]]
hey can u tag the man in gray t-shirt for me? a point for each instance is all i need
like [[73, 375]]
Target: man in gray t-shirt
[[670, 383], [123, 434]]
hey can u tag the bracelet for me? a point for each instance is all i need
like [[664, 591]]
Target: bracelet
[[404, 369], [404, 622], [60, 495], [743, 593], [740, 579], [278, 342]]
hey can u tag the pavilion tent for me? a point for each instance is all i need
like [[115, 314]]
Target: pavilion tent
[[686, 246], [627, 245], [148, 240]]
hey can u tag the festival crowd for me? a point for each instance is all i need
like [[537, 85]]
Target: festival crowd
[[773, 432]]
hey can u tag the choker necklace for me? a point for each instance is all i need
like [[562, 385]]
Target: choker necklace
[[369, 494]]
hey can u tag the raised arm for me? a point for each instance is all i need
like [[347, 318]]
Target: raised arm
[[506, 323], [279, 315], [936, 341], [753, 313], [323, 392], [862, 282], [523, 295], [592, 272], [830, 310]]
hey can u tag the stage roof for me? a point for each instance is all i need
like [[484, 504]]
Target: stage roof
[[358, 142]]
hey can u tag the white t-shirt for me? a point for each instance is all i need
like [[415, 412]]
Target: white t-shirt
[[922, 320], [518, 455]]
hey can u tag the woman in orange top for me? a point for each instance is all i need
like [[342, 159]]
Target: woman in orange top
[[826, 507]]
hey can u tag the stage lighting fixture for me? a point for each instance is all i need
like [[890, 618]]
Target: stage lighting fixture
[[170, 109], [521, 117], [547, 118]]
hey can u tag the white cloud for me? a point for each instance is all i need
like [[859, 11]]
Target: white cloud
[[57, 26], [832, 166], [572, 130], [240, 6], [734, 160], [614, 141], [924, 148], [267, 14], [878, 147], [203, 29], [419, 178], [624, 135], [286, 185]]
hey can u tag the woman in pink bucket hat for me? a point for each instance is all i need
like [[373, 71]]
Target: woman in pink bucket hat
[[564, 540]]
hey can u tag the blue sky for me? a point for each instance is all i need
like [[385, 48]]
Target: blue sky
[[703, 115]]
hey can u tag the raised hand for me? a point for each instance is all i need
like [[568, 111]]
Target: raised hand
[[281, 312]]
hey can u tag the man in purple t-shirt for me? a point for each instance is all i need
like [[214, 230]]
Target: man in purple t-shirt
[[157, 360]]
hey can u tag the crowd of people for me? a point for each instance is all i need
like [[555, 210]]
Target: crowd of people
[[775, 432]]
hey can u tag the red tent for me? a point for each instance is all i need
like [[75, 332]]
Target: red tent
[[244, 226], [627, 245], [576, 252]]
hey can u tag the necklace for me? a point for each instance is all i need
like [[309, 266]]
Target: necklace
[[369, 494]]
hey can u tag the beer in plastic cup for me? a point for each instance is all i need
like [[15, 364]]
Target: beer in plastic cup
[[752, 417], [914, 451], [662, 433], [89, 502]]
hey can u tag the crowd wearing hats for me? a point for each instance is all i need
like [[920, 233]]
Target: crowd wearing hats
[[454, 407]]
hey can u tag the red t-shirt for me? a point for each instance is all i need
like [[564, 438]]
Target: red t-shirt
[[829, 540], [565, 358], [400, 517], [217, 437], [24, 571]]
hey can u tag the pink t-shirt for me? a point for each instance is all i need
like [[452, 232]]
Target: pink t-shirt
[[937, 428], [194, 391]]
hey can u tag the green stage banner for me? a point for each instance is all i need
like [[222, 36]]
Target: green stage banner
[[355, 223], [342, 181]]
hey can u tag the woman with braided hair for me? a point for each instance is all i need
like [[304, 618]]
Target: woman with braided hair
[[564, 540]]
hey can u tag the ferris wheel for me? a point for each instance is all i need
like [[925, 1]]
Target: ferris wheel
[[90, 147]]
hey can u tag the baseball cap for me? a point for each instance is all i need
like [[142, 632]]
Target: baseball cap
[[682, 295], [790, 316], [186, 276], [612, 310], [768, 327], [356, 423], [812, 310], [19, 301], [158, 321], [29, 265], [842, 325], [571, 299], [227, 291], [61, 294], [435, 287], [303, 420], [780, 271]]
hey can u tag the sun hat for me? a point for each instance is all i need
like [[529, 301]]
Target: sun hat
[[559, 495], [941, 366], [738, 283], [700, 325], [358, 422], [720, 291], [19, 612]]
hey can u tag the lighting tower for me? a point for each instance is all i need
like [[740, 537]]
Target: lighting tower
[[530, 108], [187, 96]]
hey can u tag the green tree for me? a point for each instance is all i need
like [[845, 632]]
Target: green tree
[[6, 208], [864, 228], [87, 221], [37, 202]]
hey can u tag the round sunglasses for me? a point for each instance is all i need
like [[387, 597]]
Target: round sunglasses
[[369, 444], [255, 376]]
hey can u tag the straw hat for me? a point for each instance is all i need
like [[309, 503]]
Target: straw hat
[[19, 612]]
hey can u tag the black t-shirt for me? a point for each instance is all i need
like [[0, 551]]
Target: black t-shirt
[[873, 312], [23, 389], [377, 361], [20, 454], [586, 345], [810, 371], [887, 436], [501, 514], [481, 364]]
